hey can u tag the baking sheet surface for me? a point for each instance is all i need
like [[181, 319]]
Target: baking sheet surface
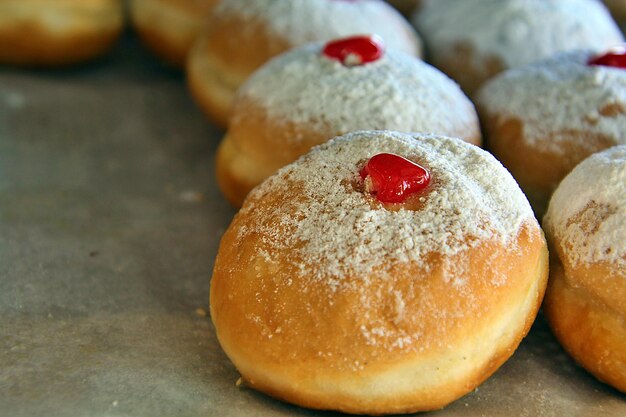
[[109, 222]]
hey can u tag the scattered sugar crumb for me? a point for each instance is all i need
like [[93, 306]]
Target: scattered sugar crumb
[[191, 196]]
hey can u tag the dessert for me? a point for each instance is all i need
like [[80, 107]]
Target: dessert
[[244, 34], [541, 120], [473, 40], [585, 302], [313, 93], [61, 32], [335, 288], [169, 27]]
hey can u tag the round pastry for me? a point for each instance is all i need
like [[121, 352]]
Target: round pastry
[[380, 273], [169, 27], [586, 228], [541, 120], [60, 32], [617, 8], [473, 40], [315, 92], [243, 34]]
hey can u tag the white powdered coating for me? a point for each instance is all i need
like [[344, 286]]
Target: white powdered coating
[[336, 229], [303, 21], [516, 31], [560, 94], [396, 92], [587, 213]]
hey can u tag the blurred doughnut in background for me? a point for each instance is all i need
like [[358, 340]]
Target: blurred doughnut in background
[[242, 35], [169, 27], [57, 33], [473, 40]]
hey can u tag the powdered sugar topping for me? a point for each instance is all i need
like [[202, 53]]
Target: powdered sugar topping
[[561, 94], [337, 228], [517, 31], [303, 21], [587, 213], [396, 92]]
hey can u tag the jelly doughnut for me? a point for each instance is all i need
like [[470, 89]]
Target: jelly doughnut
[[60, 32], [473, 40], [169, 27], [586, 229], [244, 34], [541, 120], [380, 273], [313, 93]]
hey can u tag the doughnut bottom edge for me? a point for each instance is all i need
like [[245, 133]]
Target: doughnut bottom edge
[[589, 330], [415, 383]]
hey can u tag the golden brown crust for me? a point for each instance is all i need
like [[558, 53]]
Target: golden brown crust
[[247, 51], [255, 131], [234, 178], [211, 84], [219, 62], [537, 168], [164, 47], [29, 39], [586, 310], [169, 27], [304, 343], [32, 45]]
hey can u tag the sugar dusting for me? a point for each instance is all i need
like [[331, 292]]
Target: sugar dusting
[[517, 31], [561, 94], [303, 21], [587, 213], [339, 230], [395, 92]]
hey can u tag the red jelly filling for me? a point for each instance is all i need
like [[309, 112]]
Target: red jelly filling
[[394, 178], [356, 50], [614, 58]]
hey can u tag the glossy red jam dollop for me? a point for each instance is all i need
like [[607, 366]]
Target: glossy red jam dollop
[[394, 178], [614, 58], [355, 50]]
